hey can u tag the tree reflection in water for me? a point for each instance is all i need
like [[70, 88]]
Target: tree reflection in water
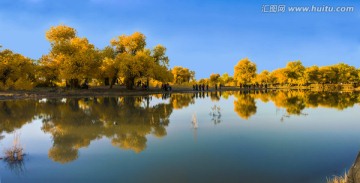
[[14, 114], [74, 123], [125, 120], [244, 105], [294, 102]]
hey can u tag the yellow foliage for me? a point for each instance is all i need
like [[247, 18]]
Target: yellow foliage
[[15, 67], [9, 84], [60, 33], [70, 58], [22, 84], [2, 86], [159, 55], [279, 76], [214, 78], [182, 74], [263, 77], [227, 80], [245, 71], [130, 44]]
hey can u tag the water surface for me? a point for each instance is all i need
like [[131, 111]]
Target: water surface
[[273, 136]]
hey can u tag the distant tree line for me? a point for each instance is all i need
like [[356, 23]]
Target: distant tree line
[[74, 62], [293, 74]]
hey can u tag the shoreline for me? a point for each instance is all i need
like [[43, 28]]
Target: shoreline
[[39, 93], [93, 92]]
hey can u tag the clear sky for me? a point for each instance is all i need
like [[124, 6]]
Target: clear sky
[[206, 36]]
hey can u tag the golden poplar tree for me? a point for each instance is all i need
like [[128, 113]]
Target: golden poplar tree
[[75, 58], [16, 71], [245, 71]]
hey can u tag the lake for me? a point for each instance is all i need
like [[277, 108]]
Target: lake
[[257, 136]]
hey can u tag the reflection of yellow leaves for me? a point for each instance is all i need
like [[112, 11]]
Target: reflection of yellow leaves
[[14, 114], [158, 96], [130, 141], [293, 102], [126, 120], [225, 95], [75, 123], [215, 96], [179, 101], [245, 106], [175, 104], [83, 105], [63, 154], [159, 132]]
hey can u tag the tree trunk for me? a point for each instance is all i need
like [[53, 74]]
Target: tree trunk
[[147, 83], [106, 81], [113, 80], [129, 83], [74, 83]]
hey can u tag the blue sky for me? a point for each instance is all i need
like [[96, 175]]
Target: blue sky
[[205, 36]]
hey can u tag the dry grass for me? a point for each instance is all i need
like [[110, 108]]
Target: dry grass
[[16, 152], [338, 179], [194, 121]]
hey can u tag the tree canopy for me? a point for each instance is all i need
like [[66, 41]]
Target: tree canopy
[[134, 61], [16, 71], [295, 73], [73, 61], [182, 74], [71, 58], [245, 71]]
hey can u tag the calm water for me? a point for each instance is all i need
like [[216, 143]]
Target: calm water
[[271, 136]]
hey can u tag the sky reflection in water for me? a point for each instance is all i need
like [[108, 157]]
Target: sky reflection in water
[[274, 136]]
